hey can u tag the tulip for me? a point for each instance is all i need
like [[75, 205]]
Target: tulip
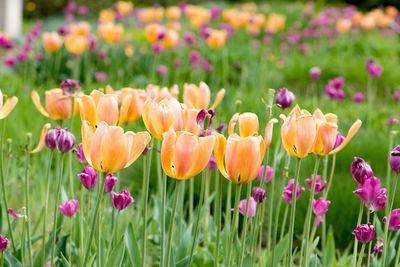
[[320, 207], [319, 184], [108, 149], [247, 124], [298, 132], [3, 243], [396, 96], [358, 97], [284, 98], [326, 137], [374, 69], [184, 155], [14, 214], [154, 91], [371, 194], [8, 106], [394, 159], [88, 177], [69, 87], [361, 170], [65, 140], [160, 114], [110, 182], [315, 73], [258, 194], [52, 41], [199, 96], [51, 137], [268, 173], [111, 33], [251, 209], [392, 120], [79, 153], [217, 38], [288, 191], [364, 233], [132, 110], [58, 106], [76, 44], [378, 248], [69, 208], [122, 199]]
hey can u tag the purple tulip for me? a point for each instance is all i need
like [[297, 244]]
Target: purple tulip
[[288, 191], [364, 233], [70, 86], [212, 163], [65, 140], [339, 140], [251, 209], [157, 48], [378, 248], [358, 97], [189, 38], [101, 76], [162, 70], [258, 194], [111, 181], [14, 214], [51, 137], [319, 184], [374, 69], [10, 62], [396, 96], [80, 155], [177, 63], [394, 220], [69, 208], [284, 98], [361, 170], [394, 159], [371, 194], [320, 207], [194, 56], [315, 73], [392, 120], [63, 30], [121, 200], [215, 12], [3, 243], [88, 177], [268, 173]]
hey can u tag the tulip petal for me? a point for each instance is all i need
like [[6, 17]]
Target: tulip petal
[[325, 138], [288, 133], [248, 124], [268, 132], [190, 95], [248, 151], [36, 101], [185, 154], [146, 116], [95, 146], [219, 153], [42, 140], [232, 158], [87, 137], [232, 123], [124, 110], [204, 96], [167, 152], [305, 135], [136, 144], [330, 117], [107, 109], [218, 99], [87, 108], [114, 152], [206, 145], [352, 131], [8, 107]]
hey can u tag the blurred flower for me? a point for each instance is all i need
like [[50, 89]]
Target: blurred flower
[[251, 208], [212, 164], [378, 248], [101, 76], [162, 69], [83, 10], [3, 243], [110, 182], [9, 62], [320, 207], [392, 120], [69, 86], [217, 38], [63, 30], [334, 88], [319, 184], [275, 22], [364, 233], [258, 194], [361, 170], [371, 194], [358, 97], [88, 177], [189, 38], [8, 106], [394, 159], [79, 153], [111, 33], [315, 73], [396, 96], [268, 173], [288, 191], [284, 98], [194, 56], [157, 48], [373, 68], [177, 63], [121, 200], [14, 214], [69, 208], [52, 41]]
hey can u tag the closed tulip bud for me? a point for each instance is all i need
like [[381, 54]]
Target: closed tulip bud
[[394, 220], [65, 140], [315, 73], [394, 159], [88, 177], [268, 173], [51, 137], [320, 207], [111, 181], [80, 155], [251, 208], [69, 86], [364, 233], [319, 184], [258, 194], [121, 200], [284, 98], [288, 191], [69, 208], [3, 243], [361, 170], [371, 194]]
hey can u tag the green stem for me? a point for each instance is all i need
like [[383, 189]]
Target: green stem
[[355, 248], [163, 203], [370, 244], [218, 216], [244, 231], [293, 211], [172, 221], [328, 188], [70, 240], [23, 241], [392, 196], [235, 223], [112, 236], [191, 193], [27, 200], [284, 221], [94, 220], [146, 181], [360, 259], [396, 262]]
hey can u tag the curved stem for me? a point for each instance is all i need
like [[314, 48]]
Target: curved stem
[[172, 221], [330, 176], [244, 230], [284, 221], [235, 223]]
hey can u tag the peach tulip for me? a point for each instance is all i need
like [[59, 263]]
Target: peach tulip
[[217, 38], [171, 39], [184, 155], [173, 13], [199, 96], [327, 133], [124, 7], [108, 149], [80, 29], [132, 106], [76, 44], [110, 32], [58, 106], [239, 158], [275, 23], [52, 41], [107, 15], [190, 121], [8, 106], [154, 91]]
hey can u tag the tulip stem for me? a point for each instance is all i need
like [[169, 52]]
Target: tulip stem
[[370, 244], [94, 220], [70, 240], [172, 220], [355, 248], [191, 193], [146, 179], [218, 215], [244, 230], [306, 236], [392, 196], [293, 211], [396, 262], [284, 221], [331, 176], [163, 203], [196, 226], [360, 259], [235, 223], [27, 199], [112, 236], [46, 206]]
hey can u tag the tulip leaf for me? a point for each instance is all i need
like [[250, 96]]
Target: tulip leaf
[[117, 254], [64, 261], [11, 260], [185, 243], [132, 246], [278, 252], [330, 250]]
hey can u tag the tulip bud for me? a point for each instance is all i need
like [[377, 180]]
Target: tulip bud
[[339, 140], [3, 243], [251, 209], [394, 159], [320, 207], [288, 191], [361, 170], [394, 221], [79, 153], [315, 73], [51, 138], [69, 208], [88, 177], [121, 200], [378, 248], [65, 140], [69, 86], [319, 184], [364, 233], [268, 173], [371, 194], [111, 181], [258, 194], [284, 98], [212, 163]]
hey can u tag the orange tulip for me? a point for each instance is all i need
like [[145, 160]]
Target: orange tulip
[[173, 13], [153, 31], [298, 132], [58, 106], [239, 158], [275, 23], [42, 140], [110, 32], [343, 25], [106, 15], [190, 121], [76, 44], [327, 131], [52, 41], [108, 149], [199, 96], [124, 7], [171, 39], [79, 29], [7, 107], [184, 155], [154, 91], [132, 104], [217, 38], [160, 114]]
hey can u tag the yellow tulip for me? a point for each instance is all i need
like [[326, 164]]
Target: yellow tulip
[[76, 44], [298, 132], [275, 23], [217, 38], [124, 7], [58, 106], [8, 106], [153, 31], [106, 15], [52, 41], [80, 29], [239, 158], [160, 114], [327, 131], [110, 32], [173, 13], [154, 91], [199, 96], [184, 155], [108, 149]]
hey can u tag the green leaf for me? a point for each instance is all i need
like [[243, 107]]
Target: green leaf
[[279, 251], [132, 246], [11, 260], [330, 250], [64, 261], [117, 255]]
